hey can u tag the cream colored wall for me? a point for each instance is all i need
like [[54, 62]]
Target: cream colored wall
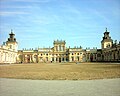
[[106, 43], [57, 47], [75, 55], [12, 45], [7, 55], [44, 57], [112, 54]]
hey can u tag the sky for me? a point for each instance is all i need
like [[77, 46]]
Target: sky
[[37, 23]]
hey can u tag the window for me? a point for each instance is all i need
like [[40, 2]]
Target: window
[[78, 58], [59, 47], [87, 56], [72, 58], [62, 59], [46, 58], [63, 48], [67, 59], [41, 58], [108, 45], [52, 58], [35, 56], [98, 55], [10, 46]]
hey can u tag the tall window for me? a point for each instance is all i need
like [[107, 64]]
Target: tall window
[[78, 58], [56, 48], [52, 58], [46, 58], [41, 58], [63, 48], [72, 58], [10, 46], [62, 59], [59, 47]]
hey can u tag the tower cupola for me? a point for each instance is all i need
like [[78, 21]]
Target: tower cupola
[[11, 38], [11, 42], [107, 41]]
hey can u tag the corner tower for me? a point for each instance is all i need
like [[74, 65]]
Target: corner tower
[[107, 41], [11, 42]]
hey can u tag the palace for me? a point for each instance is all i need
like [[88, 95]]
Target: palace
[[109, 51]]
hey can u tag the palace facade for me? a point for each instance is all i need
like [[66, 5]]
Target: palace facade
[[60, 53], [9, 49]]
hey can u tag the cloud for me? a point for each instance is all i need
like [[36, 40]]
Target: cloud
[[7, 13], [40, 1], [69, 8], [83, 37], [100, 14], [15, 6], [40, 21]]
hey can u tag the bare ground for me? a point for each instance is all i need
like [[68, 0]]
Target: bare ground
[[61, 71]]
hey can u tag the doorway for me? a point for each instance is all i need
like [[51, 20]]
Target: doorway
[[59, 59]]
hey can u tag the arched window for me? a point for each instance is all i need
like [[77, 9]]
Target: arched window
[[10, 46], [78, 58], [72, 58]]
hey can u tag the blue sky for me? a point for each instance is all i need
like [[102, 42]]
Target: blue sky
[[40, 22]]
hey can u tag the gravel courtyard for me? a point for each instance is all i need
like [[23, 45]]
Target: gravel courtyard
[[67, 79], [18, 87]]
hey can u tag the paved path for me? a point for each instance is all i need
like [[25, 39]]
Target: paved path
[[17, 87]]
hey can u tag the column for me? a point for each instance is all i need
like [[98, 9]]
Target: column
[[61, 58], [118, 54], [5, 57], [30, 57], [89, 56], [64, 58], [116, 57], [96, 56], [56, 48], [0, 57], [54, 59], [23, 58]]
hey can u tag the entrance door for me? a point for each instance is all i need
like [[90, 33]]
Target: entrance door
[[28, 58], [91, 57], [59, 59]]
